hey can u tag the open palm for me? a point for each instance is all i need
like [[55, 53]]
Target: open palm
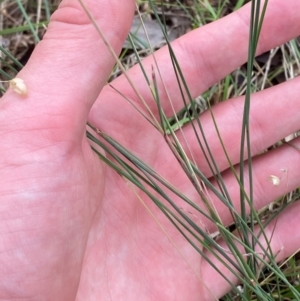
[[71, 228]]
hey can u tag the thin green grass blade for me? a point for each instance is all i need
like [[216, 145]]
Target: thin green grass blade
[[11, 57], [22, 28], [31, 26]]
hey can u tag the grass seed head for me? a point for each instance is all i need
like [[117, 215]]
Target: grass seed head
[[274, 180], [18, 85]]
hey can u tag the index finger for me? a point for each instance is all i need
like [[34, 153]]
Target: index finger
[[208, 54]]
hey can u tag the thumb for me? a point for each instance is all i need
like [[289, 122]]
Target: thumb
[[71, 64]]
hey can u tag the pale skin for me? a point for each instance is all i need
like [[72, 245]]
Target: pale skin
[[70, 228]]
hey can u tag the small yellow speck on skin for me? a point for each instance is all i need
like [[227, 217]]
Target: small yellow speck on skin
[[274, 180], [18, 85]]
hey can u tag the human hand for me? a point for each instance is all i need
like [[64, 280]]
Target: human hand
[[70, 227]]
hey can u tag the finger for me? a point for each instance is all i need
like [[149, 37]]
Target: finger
[[274, 114], [71, 64], [206, 55], [281, 163], [283, 245]]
